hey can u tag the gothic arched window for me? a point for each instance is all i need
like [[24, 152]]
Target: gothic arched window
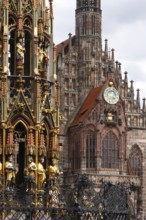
[[75, 157], [90, 150], [84, 25], [93, 24], [135, 160], [110, 151]]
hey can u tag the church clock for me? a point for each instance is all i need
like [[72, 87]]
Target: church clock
[[111, 95]]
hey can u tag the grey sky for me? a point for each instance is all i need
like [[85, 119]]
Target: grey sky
[[123, 24]]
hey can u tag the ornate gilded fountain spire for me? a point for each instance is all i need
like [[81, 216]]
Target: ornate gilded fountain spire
[[29, 110]]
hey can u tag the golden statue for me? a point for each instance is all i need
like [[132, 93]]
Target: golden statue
[[41, 55], [1, 54], [30, 173], [43, 58], [10, 172], [53, 171], [1, 170], [31, 167], [74, 198], [41, 173], [109, 117]]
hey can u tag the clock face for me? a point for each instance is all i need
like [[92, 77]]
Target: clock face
[[111, 95]]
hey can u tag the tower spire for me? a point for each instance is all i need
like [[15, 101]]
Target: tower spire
[[144, 105], [106, 48], [138, 99]]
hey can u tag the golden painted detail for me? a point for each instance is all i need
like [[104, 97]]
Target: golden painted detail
[[43, 59], [20, 107], [13, 6], [27, 6], [31, 148], [109, 117], [52, 170], [30, 174], [42, 151], [57, 99], [53, 174], [1, 147], [42, 146], [10, 172], [61, 117], [34, 141], [1, 171], [41, 173], [52, 153], [10, 148], [54, 196], [48, 111], [110, 83]]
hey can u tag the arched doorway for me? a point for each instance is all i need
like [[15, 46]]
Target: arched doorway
[[20, 134]]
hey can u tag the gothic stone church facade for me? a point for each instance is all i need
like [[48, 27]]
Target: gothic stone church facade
[[103, 128]]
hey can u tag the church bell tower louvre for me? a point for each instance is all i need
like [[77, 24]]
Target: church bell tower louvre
[[29, 95]]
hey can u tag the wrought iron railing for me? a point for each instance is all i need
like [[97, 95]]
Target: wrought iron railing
[[54, 202]]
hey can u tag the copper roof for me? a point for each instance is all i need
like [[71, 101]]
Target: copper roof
[[87, 106]]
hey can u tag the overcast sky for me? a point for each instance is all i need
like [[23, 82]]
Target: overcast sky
[[123, 24]]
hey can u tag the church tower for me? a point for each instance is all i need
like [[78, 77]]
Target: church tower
[[29, 98], [79, 57], [88, 37]]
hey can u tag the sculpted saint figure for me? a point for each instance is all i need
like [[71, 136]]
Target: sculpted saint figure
[[53, 171], [1, 168], [20, 50], [10, 172], [30, 173], [41, 173]]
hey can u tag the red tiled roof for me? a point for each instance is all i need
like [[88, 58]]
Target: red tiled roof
[[61, 46], [88, 104]]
